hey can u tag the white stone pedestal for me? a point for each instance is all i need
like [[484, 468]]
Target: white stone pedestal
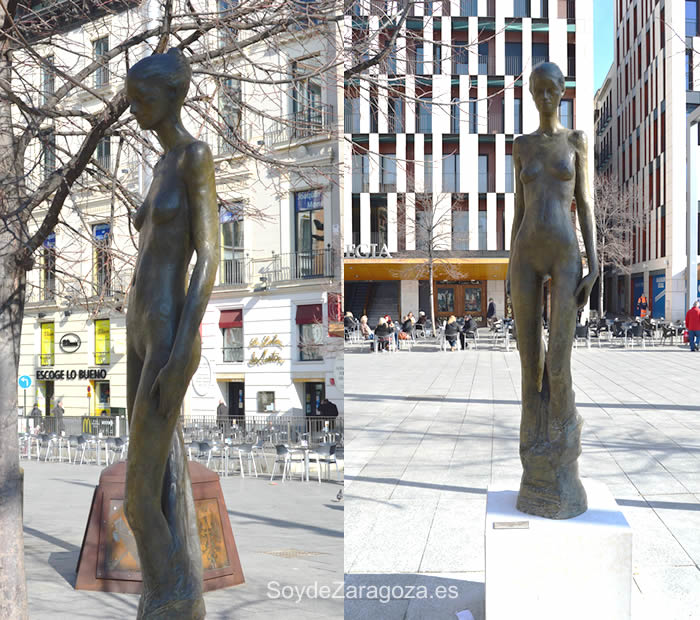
[[546, 569]]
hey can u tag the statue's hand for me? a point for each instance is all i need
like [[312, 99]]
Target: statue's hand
[[583, 290], [165, 392]]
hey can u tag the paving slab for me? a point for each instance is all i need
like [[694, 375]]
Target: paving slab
[[453, 419]]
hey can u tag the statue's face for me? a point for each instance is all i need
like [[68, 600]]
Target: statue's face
[[149, 104], [547, 94]]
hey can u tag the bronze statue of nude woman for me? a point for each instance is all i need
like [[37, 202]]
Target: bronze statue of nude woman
[[551, 169], [177, 219]]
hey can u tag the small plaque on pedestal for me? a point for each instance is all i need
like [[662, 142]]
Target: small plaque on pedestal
[[108, 558]]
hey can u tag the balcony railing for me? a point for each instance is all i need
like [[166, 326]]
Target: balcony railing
[[514, 65], [352, 123], [487, 64], [538, 60], [395, 124], [305, 123], [469, 8], [294, 266], [233, 271], [102, 358], [495, 122], [232, 354]]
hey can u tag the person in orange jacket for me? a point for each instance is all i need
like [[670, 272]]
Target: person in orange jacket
[[642, 305]]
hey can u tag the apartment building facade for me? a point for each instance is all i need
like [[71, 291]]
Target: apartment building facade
[[652, 87], [267, 346], [429, 135]]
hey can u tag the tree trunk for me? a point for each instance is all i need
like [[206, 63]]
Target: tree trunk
[[13, 592], [432, 294]]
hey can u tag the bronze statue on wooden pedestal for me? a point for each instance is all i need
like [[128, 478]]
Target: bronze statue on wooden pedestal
[[551, 170]]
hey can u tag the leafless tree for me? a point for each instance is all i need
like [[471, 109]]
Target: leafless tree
[[617, 218]]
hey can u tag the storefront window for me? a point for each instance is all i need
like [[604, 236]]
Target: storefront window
[[445, 300], [472, 300], [102, 342], [266, 402], [47, 345]]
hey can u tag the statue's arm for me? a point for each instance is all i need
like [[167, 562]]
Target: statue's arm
[[519, 204], [584, 209], [201, 194]]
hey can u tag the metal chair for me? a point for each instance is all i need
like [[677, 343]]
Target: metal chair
[[325, 453], [246, 451]]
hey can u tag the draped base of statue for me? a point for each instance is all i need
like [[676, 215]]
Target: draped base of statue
[[549, 448]]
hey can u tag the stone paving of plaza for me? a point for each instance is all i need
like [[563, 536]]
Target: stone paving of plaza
[[266, 518], [426, 432]]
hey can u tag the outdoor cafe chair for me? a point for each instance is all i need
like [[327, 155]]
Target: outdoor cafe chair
[[116, 445], [582, 333], [246, 451], [325, 454], [259, 448], [284, 456]]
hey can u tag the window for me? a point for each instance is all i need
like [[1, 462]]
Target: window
[[307, 108], [517, 116], [102, 342], [309, 318], [540, 53], [231, 326], [420, 60], [388, 172], [232, 249], [48, 268], [473, 117], [102, 273], [468, 8], [483, 58], [48, 145], [566, 113], [450, 173], [104, 157], [514, 58], [437, 59], [100, 47], [230, 99], [424, 115], [691, 18], [227, 35], [509, 173], [424, 228], [395, 115], [266, 402], [521, 8], [454, 116], [352, 115], [360, 173], [482, 230], [689, 69], [460, 230], [428, 172], [378, 221], [308, 209], [460, 54], [47, 357], [48, 79], [483, 173], [544, 8]]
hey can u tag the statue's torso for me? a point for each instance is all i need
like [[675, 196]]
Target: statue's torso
[[165, 249]]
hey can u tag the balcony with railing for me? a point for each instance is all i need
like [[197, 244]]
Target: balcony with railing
[[514, 65], [305, 123], [233, 272], [293, 266]]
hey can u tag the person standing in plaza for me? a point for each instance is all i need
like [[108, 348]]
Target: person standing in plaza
[[642, 305], [36, 414], [222, 416], [58, 414], [692, 324], [491, 312]]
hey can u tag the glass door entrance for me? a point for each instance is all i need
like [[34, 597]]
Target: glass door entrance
[[314, 393], [460, 298]]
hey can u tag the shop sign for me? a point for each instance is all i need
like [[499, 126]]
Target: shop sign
[[69, 343], [367, 250], [265, 358], [266, 341], [71, 375]]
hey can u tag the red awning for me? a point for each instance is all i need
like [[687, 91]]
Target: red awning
[[231, 318], [311, 313]]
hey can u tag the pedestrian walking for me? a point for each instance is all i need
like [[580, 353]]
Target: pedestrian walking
[[57, 413], [491, 312], [692, 324], [36, 414]]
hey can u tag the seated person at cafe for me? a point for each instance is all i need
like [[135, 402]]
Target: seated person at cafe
[[383, 334], [451, 332], [468, 328], [365, 329]]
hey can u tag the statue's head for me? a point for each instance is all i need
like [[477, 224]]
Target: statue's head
[[547, 85], [156, 87]]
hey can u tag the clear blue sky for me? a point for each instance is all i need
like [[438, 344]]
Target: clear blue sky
[[603, 39]]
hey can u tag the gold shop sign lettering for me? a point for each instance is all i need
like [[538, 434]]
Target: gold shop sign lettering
[[266, 357], [267, 341]]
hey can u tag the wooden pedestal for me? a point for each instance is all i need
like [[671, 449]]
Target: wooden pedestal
[[108, 558]]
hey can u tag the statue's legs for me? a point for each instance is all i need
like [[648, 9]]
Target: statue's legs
[[160, 508], [550, 426]]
